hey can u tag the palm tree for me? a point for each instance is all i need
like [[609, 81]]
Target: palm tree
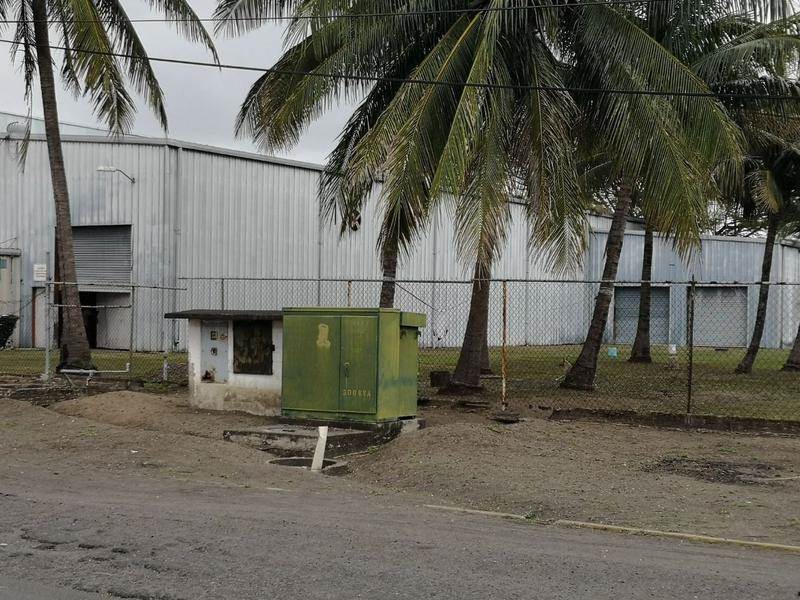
[[640, 352], [460, 147], [776, 186], [746, 364], [793, 361], [753, 58], [470, 145], [664, 147], [89, 32]]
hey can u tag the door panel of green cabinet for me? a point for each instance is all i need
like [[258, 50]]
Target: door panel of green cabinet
[[311, 363], [358, 375]]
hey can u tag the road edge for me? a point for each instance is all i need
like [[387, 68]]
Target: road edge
[[566, 523]]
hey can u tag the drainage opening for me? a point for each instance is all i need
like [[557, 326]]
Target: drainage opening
[[329, 466]]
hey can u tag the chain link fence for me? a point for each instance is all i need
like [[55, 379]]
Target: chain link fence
[[125, 327], [698, 334]]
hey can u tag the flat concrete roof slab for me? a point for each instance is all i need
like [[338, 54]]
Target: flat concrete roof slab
[[227, 315]]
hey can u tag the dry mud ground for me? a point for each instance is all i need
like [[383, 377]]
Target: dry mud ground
[[721, 484]]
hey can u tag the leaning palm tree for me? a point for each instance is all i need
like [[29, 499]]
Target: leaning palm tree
[[595, 181], [793, 360], [100, 53], [753, 59], [664, 146], [772, 183]]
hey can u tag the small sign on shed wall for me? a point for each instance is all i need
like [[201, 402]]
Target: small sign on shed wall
[[39, 272]]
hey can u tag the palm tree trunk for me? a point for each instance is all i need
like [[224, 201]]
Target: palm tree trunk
[[486, 363], [474, 351], [793, 362], [75, 351], [746, 366], [640, 353], [389, 266], [581, 375]]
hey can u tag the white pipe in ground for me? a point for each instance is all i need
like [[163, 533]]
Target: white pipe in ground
[[319, 452]]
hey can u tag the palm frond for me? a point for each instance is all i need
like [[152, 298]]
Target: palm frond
[[765, 190], [104, 83], [769, 48], [138, 68], [342, 195], [237, 17], [670, 143]]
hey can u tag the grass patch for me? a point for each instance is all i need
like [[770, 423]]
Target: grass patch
[[145, 366], [534, 374]]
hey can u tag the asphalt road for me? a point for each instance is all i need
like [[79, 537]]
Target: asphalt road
[[126, 536], [12, 588]]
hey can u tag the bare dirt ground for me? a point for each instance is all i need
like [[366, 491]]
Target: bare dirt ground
[[720, 484], [167, 413], [733, 485], [68, 447]]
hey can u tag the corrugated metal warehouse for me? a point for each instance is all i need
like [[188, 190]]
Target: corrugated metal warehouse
[[202, 212]]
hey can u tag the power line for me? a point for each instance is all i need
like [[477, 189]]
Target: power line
[[417, 81], [368, 15]]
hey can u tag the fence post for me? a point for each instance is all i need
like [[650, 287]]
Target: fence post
[[132, 333], [349, 293], [690, 342], [48, 328], [222, 293], [503, 356]]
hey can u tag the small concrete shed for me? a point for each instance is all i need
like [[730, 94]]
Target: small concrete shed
[[234, 359]]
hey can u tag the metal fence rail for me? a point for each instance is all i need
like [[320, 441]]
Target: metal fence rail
[[698, 331]]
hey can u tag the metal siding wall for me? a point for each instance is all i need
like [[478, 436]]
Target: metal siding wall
[[790, 295], [26, 198], [244, 218], [226, 216], [247, 218], [96, 199]]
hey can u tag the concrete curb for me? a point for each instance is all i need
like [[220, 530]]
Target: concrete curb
[[472, 511], [689, 537]]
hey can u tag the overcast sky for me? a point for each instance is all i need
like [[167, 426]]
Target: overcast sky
[[201, 102]]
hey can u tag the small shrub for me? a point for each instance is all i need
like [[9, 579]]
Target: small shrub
[[7, 325]]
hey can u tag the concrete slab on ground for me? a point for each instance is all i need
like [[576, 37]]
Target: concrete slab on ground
[[301, 440]]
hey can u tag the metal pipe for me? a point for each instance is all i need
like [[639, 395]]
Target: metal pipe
[[95, 306], [124, 287], [132, 338], [470, 281], [503, 356], [93, 372], [690, 332], [48, 332]]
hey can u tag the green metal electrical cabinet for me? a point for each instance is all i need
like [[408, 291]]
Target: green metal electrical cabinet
[[350, 364]]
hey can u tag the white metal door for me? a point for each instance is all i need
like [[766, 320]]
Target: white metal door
[[720, 317], [103, 254], [7, 295], [626, 314], [39, 310]]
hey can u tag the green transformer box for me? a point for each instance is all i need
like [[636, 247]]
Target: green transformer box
[[350, 364]]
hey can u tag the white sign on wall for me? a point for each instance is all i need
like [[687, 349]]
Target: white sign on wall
[[40, 273]]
